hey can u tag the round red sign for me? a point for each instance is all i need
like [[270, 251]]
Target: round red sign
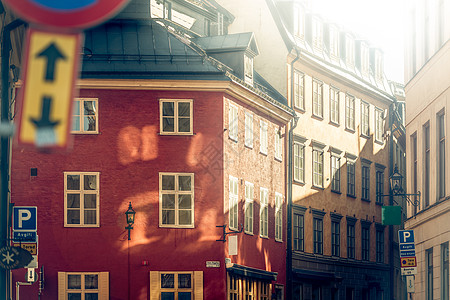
[[75, 14]]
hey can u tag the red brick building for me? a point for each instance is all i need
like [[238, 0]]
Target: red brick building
[[192, 143]]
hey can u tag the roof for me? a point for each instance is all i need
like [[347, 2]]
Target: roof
[[229, 42]]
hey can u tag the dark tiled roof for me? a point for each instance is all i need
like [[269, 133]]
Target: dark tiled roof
[[237, 41]]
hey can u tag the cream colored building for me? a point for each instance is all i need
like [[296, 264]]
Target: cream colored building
[[427, 74]]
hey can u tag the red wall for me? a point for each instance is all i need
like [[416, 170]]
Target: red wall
[[129, 154]]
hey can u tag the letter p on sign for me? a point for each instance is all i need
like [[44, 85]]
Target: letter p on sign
[[24, 218], [24, 215], [406, 236]]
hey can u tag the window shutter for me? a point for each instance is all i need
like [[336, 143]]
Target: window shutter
[[198, 285], [154, 285], [103, 288], [61, 285]]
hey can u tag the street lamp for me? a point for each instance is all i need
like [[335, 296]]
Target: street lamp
[[130, 213], [396, 186]]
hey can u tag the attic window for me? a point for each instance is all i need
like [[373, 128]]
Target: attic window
[[161, 9], [334, 42], [317, 33], [349, 51], [378, 66], [364, 59], [299, 22], [248, 69]]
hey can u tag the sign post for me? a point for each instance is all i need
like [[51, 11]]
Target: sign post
[[408, 261]]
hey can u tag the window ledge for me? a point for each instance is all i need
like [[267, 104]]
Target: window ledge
[[301, 110], [233, 139], [85, 132], [249, 233], [364, 136], [351, 196], [350, 130], [278, 240], [379, 142], [319, 118], [379, 203], [334, 124], [265, 154], [336, 192], [175, 134], [280, 159], [298, 182], [365, 200], [264, 237], [249, 147], [317, 187]]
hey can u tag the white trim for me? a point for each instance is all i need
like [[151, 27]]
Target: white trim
[[248, 129], [264, 207], [78, 102], [278, 145], [249, 202], [278, 217], [263, 136], [233, 122], [176, 117], [233, 203]]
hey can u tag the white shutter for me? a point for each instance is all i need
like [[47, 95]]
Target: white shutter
[[198, 285], [61, 285], [103, 288], [154, 285]]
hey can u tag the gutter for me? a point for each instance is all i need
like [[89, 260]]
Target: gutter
[[289, 274]]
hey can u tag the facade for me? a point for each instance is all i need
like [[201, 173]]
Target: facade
[[427, 91], [189, 135]]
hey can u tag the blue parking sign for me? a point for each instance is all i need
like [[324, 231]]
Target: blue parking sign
[[24, 218], [406, 236]]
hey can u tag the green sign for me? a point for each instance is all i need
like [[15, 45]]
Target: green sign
[[391, 215]]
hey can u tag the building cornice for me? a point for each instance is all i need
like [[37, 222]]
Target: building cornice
[[231, 88]]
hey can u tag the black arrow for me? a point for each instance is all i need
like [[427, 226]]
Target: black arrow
[[52, 54], [45, 115]]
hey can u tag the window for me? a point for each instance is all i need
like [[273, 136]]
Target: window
[[176, 202], [248, 288], [380, 245], [299, 162], [85, 115], [379, 66], [249, 129], [318, 168], [365, 180], [441, 155], [248, 67], [335, 173], [364, 59], [349, 51], [317, 98], [175, 116], [444, 271], [349, 112], [350, 239], [81, 199], [351, 178], [365, 241], [83, 286], [334, 42], [334, 105], [233, 203], [299, 231], [278, 217], [365, 119], [233, 122], [248, 213], [299, 22], [278, 145], [429, 270], [317, 33], [427, 164], [299, 90], [335, 238], [176, 285], [264, 212], [318, 235], [220, 25], [380, 185], [414, 166], [263, 137], [379, 125]]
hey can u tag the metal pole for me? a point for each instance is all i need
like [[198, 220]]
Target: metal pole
[[391, 203], [4, 148]]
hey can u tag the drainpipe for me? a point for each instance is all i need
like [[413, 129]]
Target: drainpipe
[[391, 203], [289, 283], [4, 148]]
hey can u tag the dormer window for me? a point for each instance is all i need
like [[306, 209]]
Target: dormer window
[[334, 41], [317, 33], [299, 22], [364, 59], [161, 9], [379, 70], [248, 69], [349, 51]]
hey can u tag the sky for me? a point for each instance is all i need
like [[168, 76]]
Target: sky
[[381, 22]]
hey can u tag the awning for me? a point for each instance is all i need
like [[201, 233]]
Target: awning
[[240, 270], [314, 275]]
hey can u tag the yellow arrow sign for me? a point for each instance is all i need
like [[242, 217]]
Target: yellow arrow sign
[[51, 68]]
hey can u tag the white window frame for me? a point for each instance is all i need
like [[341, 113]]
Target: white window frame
[[349, 51], [176, 192], [317, 33], [334, 105], [176, 117], [263, 139], [364, 59], [82, 192], [278, 145], [334, 42], [278, 217], [335, 172], [249, 207], [233, 203], [233, 121], [248, 129], [299, 22], [379, 125], [264, 212], [350, 112], [102, 289], [365, 119], [299, 162], [248, 69], [196, 288], [317, 98], [79, 102], [299, 90]]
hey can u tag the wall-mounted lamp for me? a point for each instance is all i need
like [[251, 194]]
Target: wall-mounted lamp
[[129, 214], [396, 187]]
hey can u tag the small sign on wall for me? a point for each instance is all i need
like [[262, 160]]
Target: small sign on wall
[[213, 264], [232, 245]]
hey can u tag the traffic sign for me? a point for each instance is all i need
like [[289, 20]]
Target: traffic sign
[[406, 236], [30, 247], [409, 271], [407, 262], [51, 68], [70, 14], [410, 287], [408, 253], [24, 236], [24, 218]]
